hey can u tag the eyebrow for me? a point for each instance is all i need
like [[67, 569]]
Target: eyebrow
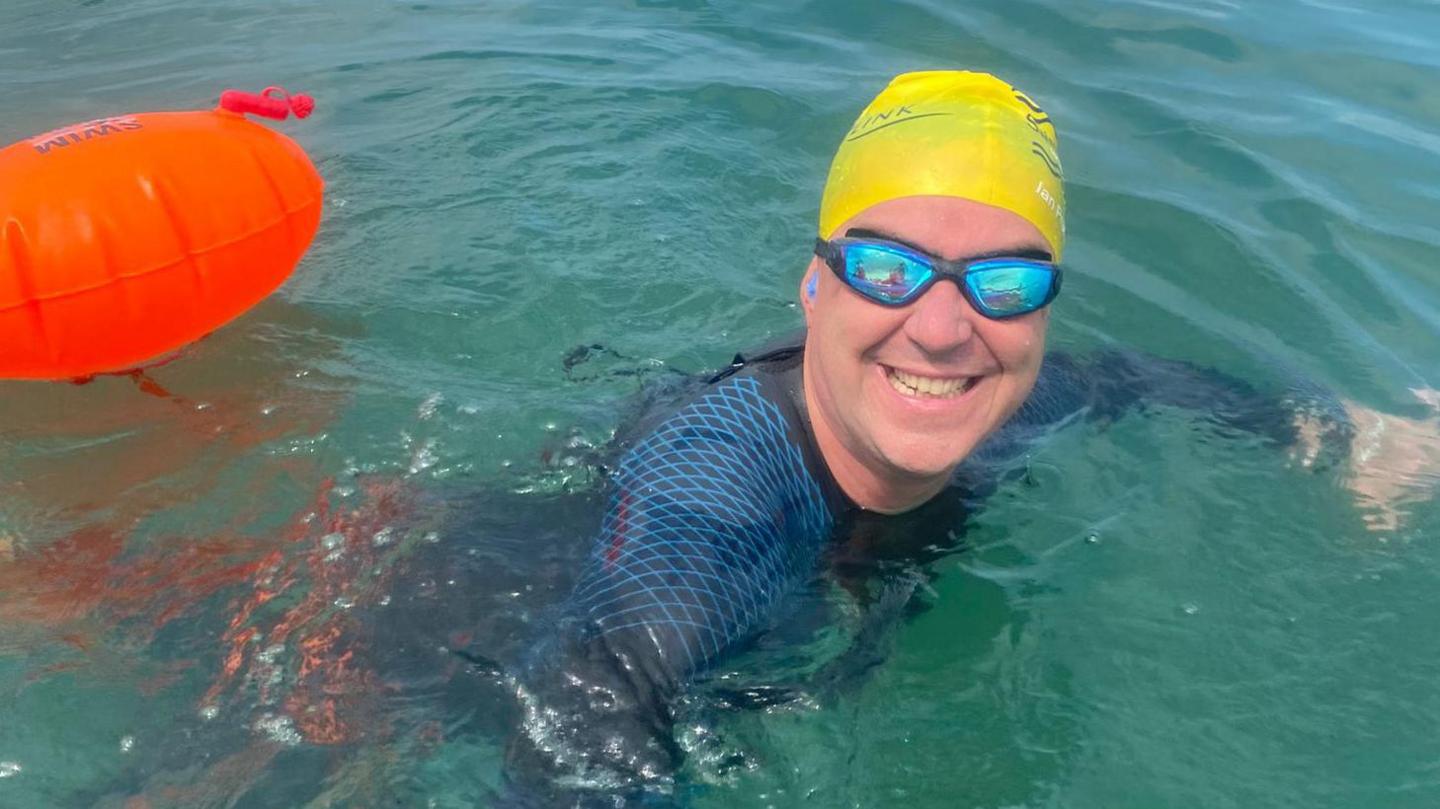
[[1015, 252]]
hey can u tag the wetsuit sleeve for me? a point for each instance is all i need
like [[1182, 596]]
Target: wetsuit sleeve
[[713, 518]]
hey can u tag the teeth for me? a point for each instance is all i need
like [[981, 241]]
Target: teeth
[[912, 385]]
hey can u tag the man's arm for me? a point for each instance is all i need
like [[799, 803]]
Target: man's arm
[[1112, 383], [714, 517], [1385, 459]]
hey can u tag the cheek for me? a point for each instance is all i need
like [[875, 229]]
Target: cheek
[[844, 327], [1019, 347], [863, 327]]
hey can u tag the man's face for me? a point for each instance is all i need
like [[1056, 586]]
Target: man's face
[[904, 394]]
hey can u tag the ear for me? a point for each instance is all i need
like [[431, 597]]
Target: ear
[[809, 287]]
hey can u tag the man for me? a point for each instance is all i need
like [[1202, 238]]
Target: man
[[926, 307], [724, 505]]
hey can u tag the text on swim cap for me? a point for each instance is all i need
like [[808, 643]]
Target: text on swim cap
[[1051, 203], [870, 124]]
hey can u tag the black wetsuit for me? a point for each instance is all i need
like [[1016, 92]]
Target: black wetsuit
[[724, 505]]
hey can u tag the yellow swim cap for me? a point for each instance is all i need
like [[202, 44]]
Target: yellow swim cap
[[951, 133]]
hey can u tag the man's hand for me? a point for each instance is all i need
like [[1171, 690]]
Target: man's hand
[[1393, 460]]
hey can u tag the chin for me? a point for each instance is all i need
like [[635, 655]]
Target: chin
[[925, 457]]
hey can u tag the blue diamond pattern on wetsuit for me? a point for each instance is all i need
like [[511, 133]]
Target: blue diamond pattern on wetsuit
[[713, 518]]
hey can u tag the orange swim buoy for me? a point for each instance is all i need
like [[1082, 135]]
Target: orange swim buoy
[[127, 237]]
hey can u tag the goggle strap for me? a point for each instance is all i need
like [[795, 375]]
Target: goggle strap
[[829, 253]]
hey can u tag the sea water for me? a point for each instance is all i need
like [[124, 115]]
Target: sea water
[[246, 593]]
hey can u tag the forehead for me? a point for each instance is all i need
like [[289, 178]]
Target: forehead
[[949, 227]]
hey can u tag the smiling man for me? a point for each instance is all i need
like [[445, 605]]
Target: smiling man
[[926, 305]]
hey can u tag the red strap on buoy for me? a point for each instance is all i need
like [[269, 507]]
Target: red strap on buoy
[[272, 102]]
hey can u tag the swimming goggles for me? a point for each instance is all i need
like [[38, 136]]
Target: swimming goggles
[[894, 275]]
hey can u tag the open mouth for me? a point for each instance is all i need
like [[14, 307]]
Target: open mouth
[[929, 387]]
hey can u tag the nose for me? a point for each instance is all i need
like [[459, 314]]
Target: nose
[[941, 320]]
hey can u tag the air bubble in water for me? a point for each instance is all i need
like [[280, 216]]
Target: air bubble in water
[[278, 728], [423, 458]]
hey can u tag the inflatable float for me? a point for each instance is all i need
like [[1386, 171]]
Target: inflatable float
[[125, 238]]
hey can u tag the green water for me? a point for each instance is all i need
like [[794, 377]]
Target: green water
[[1159, 618]]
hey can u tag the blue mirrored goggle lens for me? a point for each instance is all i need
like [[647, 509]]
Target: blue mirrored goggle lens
[[1003, 288], [884, 274]]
